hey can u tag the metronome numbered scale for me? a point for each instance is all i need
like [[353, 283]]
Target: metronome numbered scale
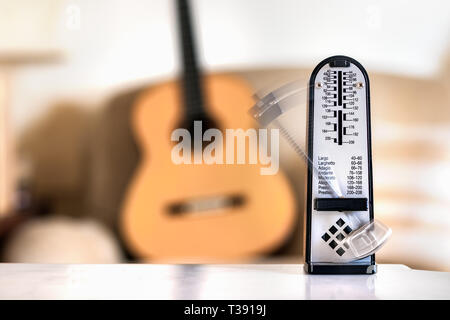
[[339, 89], [339, 195]]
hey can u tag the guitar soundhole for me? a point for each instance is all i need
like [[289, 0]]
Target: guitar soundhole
[[207, 122], [206, 205]]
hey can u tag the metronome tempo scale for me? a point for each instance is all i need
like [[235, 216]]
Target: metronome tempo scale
[[339, 90], [339, 196]]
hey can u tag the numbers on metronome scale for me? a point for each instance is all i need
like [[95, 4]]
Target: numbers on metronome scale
[[340, 106], [355, 176]]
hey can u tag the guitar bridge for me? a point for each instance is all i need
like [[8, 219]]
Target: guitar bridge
[[201, 205]]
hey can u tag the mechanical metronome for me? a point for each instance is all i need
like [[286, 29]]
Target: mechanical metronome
[[341, 235], [340, 197]]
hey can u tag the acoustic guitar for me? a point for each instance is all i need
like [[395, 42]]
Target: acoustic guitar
[[201, 212]]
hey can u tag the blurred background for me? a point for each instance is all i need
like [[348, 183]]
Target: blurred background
[[71, 72]]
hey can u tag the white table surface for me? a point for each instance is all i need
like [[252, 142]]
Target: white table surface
[[257, 281]]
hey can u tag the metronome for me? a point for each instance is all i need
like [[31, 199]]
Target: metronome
[[341, 233], [339, 196]]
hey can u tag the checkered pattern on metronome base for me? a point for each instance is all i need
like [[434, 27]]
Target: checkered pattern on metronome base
[[335, 234]]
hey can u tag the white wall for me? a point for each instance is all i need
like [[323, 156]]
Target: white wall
[[121, 42]]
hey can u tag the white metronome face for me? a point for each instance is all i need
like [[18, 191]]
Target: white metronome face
[[341, 157]]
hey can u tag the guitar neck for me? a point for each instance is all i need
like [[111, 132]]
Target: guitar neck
[[191, 81]]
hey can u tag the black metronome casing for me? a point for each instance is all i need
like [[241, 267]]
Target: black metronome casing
[[340, 197]]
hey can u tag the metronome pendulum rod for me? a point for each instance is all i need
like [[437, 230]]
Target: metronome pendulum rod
[[267, 110], [334, 189]]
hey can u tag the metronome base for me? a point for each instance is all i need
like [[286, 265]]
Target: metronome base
[[327, 268]]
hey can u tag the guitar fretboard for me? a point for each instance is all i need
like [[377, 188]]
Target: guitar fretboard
[[191, 81]]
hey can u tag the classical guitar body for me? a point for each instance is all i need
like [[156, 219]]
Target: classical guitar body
[[201, 212]]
